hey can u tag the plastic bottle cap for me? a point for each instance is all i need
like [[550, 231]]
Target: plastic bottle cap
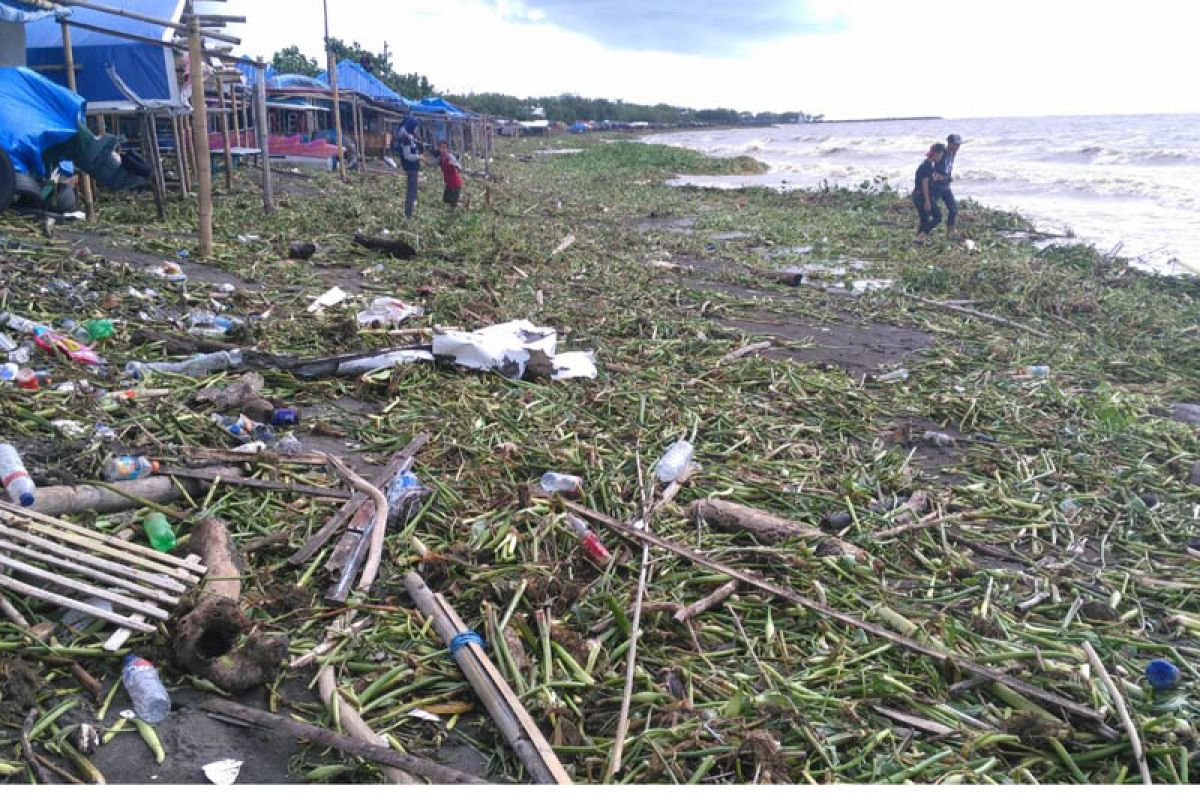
[[27, 499]]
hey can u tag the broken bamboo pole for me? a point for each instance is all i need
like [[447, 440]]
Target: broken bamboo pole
[[498, 697], [970, 312], [1135, 741], [57, 501], [85, 185]]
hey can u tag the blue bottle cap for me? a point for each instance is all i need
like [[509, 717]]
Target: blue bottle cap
[[1162, 674], [27, 499]]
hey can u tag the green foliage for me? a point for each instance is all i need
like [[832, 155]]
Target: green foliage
[[657, 159], [291, 61]]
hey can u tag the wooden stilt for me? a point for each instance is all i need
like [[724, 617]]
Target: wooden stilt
[[225, 138], [204, 208], [262, 135], [85, 185]]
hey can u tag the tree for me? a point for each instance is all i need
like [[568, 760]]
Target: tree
[[291, 61]]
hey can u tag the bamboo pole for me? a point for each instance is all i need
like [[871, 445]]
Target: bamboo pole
[[225, 137], [237, 117], [85, 185], [262, 135], [180, 164], [204, 207], [166, 23], [502, 704]]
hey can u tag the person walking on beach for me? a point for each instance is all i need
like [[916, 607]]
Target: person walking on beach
[[942, 178], [410, 159], [451, 174], [923, 193]]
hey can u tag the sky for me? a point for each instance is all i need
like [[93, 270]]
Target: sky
[[842, 58]]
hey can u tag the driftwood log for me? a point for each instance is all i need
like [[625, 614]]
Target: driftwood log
[[57, 501], [770, 529], [204, 639]]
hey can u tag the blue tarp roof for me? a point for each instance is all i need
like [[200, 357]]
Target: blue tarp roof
[[149, 70], [353, 77], [35, 114], [288, 80], [436, 105], [20, 13]]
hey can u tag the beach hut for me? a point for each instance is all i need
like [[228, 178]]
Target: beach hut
[[139, 59], [374, 106]]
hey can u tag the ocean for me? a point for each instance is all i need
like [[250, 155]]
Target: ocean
[[1132, 181]]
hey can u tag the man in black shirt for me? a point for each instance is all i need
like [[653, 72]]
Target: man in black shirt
[[943, 175], [923, 192]]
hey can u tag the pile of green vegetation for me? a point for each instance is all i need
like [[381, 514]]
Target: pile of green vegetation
[[998, 515]]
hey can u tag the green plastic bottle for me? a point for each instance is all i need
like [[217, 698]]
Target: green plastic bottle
[[159, 532], [98, 329]]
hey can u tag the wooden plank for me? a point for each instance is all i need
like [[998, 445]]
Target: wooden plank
[[100, 575], [66, 602], [118, 639], [154, 579]]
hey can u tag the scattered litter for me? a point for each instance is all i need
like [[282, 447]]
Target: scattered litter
[[69, 428], [674, 463], [560, 483], [395, 358], [895, 376], [247, 238], [197, 366], [169, 271], [301, 250], [387, 312], [223, 772], [327, 300], [567, 241]]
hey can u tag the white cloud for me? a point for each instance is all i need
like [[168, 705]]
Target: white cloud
[[895, 57]]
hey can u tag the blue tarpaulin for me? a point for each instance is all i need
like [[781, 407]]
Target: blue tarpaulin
[[436, 105], [35, 114], [20, 13], [354, 78], [148, 69], [289, 80], [250, 73]]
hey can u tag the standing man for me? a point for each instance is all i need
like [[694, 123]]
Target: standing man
[[943, 176], [410, 159]]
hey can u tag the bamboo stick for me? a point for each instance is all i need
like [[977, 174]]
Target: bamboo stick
[[100, 575], [69, 56], [158, 580], [497, 696], [1135, 741], [80, 586], [67, 602], [225, 137]]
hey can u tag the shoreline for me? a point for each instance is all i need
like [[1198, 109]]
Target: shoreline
[[874, 395]]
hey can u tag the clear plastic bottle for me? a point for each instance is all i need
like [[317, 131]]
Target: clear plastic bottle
[[674, 463], [559, 483], [128, 468], [1036, 371], [159, 532], [150, 699], [895, 376], [20, 487], [8, 372], [196, 367]]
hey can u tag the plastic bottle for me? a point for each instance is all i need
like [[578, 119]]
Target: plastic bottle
[[17, 483], [150, 699], [128, 468], [558, 483], [6, 343], [19, 324], [1036, 371], [244, 429], [27, 379], [197, 366], [895, 376], [674, 463], [938, 439], [404, 494], [159, 532], [9, 372], [591, 543]]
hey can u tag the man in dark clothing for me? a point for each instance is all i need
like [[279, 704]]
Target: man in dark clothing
[[923, 193], [410, 159], [943, 175]]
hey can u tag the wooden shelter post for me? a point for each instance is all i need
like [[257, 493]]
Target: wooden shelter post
[[262, 135], [85, 184], [204, 214], [225, 137]]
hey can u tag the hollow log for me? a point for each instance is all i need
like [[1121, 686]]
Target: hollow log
[[57, 501], [204, 639]]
